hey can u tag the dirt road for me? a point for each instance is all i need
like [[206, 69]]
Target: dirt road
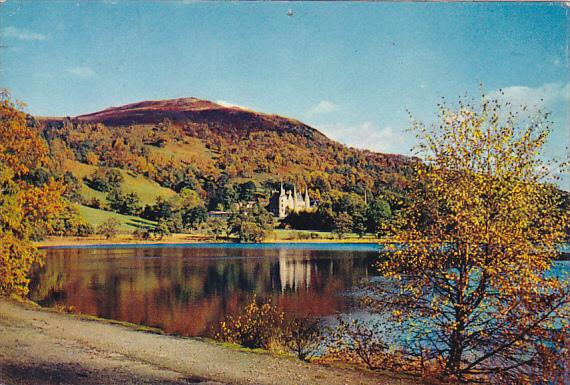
[[44, 347]]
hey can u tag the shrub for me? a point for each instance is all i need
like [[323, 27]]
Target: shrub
[[128, 204], [109, 228], [248, 231], [84, 229], [163, 229], [105, 179], [257, 327], [142, 234], [94, 203], [360, 342], [264, 326], [303, 336]]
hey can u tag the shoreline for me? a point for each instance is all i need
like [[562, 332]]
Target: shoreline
[[188, 239], [180, 239], [42, 346]]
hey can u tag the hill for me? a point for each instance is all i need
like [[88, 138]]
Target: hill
[[217, 140], [162, 147], [184, 110]]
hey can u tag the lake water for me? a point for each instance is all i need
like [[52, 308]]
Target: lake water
[[187, 289]]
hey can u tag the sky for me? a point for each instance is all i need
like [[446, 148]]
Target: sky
[[351, 70]]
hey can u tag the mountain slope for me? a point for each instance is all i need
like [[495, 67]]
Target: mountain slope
[[197, 144], [148, 191]]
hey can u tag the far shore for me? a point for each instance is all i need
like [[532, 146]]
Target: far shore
[[173, 239], [127, 239]]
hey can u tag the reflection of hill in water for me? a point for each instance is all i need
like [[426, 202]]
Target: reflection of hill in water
[[187, 290]]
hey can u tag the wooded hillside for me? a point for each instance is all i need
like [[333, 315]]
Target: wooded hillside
[[196, 144]]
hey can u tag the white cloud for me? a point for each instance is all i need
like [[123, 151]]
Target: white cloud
[[368, 135], [230, 104], [544, 96], [23, 34], [82, 72], [323, 107]]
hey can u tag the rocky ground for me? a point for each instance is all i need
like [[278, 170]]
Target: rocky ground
[[44, 347]]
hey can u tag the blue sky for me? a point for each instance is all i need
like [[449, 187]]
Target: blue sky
[[349, 69]]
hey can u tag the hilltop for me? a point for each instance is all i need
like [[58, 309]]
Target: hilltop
[[183, 110]]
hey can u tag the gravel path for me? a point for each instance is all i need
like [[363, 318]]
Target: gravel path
[[44, 347]]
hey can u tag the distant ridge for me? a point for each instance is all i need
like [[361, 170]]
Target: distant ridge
[[183, 110]]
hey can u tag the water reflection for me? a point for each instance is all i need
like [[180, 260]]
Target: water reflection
[[186, 290]]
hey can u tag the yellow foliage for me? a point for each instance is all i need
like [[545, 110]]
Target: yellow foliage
[[258, 327], [478, 234], [23, 208], [16, 259], [21, 149]]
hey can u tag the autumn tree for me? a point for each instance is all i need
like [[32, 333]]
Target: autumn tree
[[342, 224], [180, 213], [215, 226], [471, 281], [246, 191], [25, 209], [250, 225], [109, 228], [128, 204], [105, 179], [378, 214]]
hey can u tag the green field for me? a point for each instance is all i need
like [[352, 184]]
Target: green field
[[147, 190], [278, 235], [128, 222]]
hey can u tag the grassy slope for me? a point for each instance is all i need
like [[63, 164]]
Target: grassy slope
[[89, 193], [146, 189], [191, 151], [128, 223]]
